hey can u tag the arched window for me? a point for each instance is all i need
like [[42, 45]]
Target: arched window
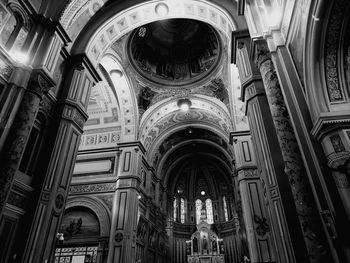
[[176, 205], [209, 208], [12, 29], [198, 210], [225, 208], [182, 210]]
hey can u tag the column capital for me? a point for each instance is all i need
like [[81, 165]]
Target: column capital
[[80, 62], [261, 52], [21, 76], [40, 82], [137, 144]]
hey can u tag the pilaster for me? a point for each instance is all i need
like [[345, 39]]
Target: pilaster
[[122, 242], [59, 159], [256, 220], [288, 239]]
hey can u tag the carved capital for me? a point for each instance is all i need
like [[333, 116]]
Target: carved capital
[[261, 52], [337, 160], [40, 82]]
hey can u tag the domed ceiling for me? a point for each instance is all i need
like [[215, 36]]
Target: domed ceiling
[[175, 51]]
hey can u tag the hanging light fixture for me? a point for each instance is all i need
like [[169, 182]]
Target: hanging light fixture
[[184, 104]]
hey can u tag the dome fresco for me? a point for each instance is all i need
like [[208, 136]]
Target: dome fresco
[[174, 51]]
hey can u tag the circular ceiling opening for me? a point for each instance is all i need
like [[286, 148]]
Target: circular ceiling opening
[[175, 51]]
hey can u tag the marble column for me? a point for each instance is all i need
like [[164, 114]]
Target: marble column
[[19, 134], [11, 99], [309, 218], [122, 242], [288, 238]]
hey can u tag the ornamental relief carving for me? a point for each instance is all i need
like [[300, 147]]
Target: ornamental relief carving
[[333, 38], [92, 188]]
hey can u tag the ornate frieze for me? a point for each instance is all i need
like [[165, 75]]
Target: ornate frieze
[[335, 91], [92, 188]]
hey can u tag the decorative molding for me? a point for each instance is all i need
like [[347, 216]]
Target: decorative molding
[[328, 122], [122, 23], [92, 188], [333, 35], [17, 200], [75, 115]]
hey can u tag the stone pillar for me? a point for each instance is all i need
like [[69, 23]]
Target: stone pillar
[[11, 99], [53, 180], [309, 218], [288, 238], [19, 134], [122, 242], [256, 221]]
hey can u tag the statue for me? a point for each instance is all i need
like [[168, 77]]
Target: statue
[[214, 244], [145, 97], [204, 245]]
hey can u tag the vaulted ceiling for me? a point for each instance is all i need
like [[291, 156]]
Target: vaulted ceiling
[[151, 55]]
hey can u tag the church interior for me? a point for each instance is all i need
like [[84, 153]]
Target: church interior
[[174, 131]]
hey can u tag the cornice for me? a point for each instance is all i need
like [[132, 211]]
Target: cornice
[[328, 122]]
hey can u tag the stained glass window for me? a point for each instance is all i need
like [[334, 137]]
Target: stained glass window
[[198, 210], [182, 210], [225, 208], [209, 208]]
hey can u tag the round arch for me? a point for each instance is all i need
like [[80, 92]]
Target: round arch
[[323, 64], [97, 207], [115, 20], [125, 95], [212, 144]]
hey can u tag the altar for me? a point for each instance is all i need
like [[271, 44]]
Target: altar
[[205, 246]]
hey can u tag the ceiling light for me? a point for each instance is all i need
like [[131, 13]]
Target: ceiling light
[[203, 193], [162, 9], [184, 104]]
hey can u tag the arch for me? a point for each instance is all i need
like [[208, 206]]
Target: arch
[[323, 78], [97, 207], [125, 95], [122, 19], [219, 160]]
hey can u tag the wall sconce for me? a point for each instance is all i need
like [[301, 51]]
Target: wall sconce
[[184, 104]]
